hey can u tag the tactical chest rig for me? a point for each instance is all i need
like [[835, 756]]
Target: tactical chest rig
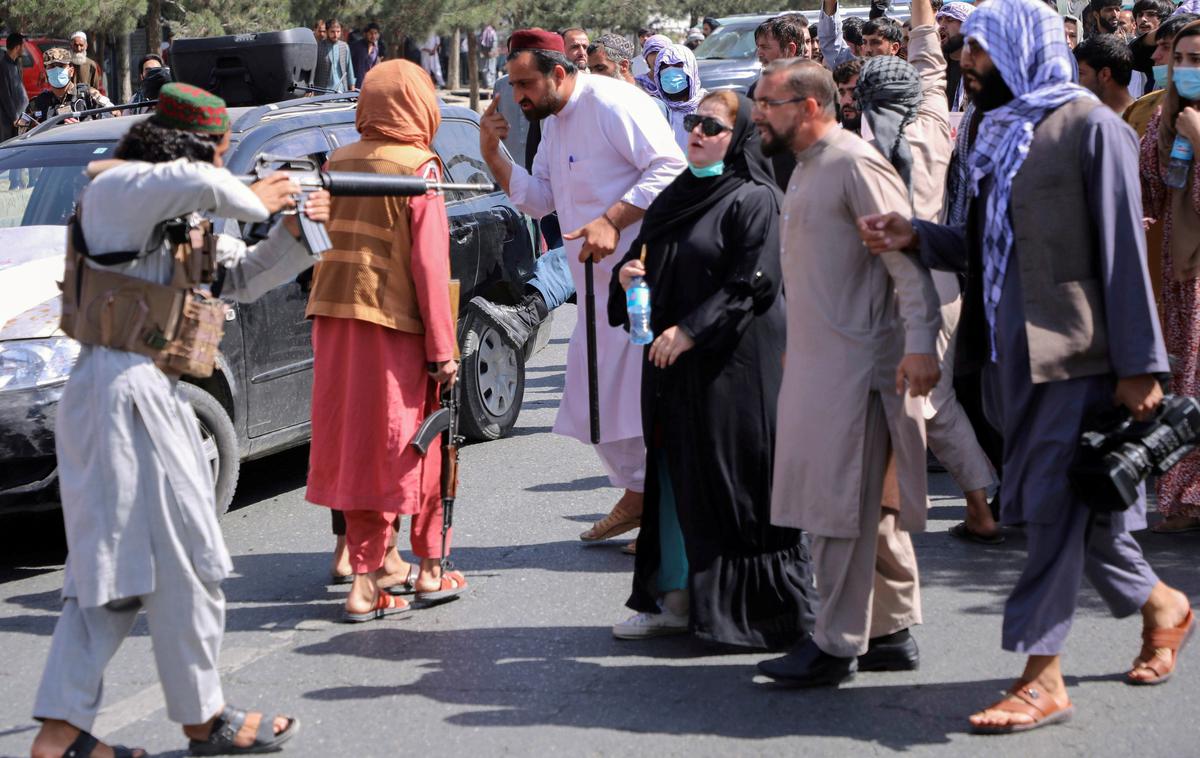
[[178, 325]]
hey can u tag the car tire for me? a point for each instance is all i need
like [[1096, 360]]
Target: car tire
[[493, 382], [219, 440]]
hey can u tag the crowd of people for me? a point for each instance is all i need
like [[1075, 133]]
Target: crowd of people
[[953, 146], [933, 234]]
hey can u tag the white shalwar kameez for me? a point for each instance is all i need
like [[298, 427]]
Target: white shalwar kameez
[[604, 146], [138, 497]]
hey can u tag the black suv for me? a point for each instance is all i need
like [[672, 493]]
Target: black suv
[[257, 401]]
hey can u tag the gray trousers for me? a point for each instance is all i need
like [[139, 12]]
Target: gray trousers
[[1038, 613], [187, 620], [868, 585]]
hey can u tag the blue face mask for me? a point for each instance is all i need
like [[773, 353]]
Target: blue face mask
[[1160, 76], [704, 172], [673, 81], [1187, 83], [58, 76]]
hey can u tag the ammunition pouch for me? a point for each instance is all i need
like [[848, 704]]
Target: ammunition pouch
[[178, 325]]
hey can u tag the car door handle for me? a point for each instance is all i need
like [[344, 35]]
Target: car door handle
[[462, 232]]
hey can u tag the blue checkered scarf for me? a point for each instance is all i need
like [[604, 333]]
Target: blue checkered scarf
[[1027, 45]]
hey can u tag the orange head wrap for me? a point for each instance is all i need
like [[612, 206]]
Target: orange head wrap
[[398, 103]]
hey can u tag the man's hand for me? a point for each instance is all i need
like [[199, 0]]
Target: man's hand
[[886, 232], [1187, 124], [921, 373], [446, 373], [493, 128], [1140, 394], [668, 346], [316, 207], [600, 238], [634, 268], [276, 192]]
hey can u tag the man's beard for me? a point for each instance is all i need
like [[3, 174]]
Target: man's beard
[[774, 143], [952, 45], [1104, 25], [544, 109], [992, 93], [852, 123]]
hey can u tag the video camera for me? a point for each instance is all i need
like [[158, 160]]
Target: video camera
[[248, 69], [1116, 453]]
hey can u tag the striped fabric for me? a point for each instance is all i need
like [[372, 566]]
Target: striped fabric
[[1025, 41]]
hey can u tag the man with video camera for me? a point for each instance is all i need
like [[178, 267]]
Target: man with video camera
[[1059, 315], [64, 95]]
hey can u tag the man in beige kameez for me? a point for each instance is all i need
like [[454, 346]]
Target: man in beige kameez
[[849, 358]]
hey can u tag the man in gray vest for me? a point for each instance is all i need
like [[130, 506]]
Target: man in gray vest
[[1058, 310]]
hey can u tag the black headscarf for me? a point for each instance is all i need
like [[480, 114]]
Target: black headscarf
[[689, 197]]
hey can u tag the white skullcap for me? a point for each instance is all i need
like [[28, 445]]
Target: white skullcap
[[79, 34]]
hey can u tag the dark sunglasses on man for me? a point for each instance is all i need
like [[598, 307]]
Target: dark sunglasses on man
[[709, 126]]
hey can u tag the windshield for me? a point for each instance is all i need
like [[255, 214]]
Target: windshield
[[728, 42], [39, 183]]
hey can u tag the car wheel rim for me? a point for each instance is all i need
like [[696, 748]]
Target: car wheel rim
[[208, 446], [496, 373]]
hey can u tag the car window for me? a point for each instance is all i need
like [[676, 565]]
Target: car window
[[305, 143], [39, 183], [26, 58], [457, 144], [346, 134], [732, 41]]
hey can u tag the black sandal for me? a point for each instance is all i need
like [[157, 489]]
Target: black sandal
[[225, 730], [85, 743]]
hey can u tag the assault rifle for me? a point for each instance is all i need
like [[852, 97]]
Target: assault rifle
[[443, 423], [306, 173]]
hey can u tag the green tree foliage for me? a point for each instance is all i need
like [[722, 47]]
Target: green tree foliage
[[62, 18]]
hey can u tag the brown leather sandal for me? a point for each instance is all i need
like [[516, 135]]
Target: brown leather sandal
[[623, 518], [1031, 702], [1173, 639]]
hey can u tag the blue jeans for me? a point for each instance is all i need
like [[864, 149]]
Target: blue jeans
[[552, 278]]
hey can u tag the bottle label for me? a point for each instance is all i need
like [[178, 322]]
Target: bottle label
[[1182, 150], [637, 297]]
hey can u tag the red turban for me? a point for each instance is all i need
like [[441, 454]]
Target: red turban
[[535, 39]]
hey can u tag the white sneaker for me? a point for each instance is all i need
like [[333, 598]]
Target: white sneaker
[[643, 626]]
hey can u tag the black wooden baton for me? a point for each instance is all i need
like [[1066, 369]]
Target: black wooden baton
[[593, 380]]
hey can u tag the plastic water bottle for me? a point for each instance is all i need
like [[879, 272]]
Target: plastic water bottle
[[1181, 160], [637, 302]]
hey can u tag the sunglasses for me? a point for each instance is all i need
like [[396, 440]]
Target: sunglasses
[[709, 126]]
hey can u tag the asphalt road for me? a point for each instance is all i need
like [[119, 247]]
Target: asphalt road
[[526, 664]]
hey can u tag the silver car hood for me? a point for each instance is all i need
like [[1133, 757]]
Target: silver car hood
[[31, 265]]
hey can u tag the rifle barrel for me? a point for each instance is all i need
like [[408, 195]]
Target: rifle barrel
[[355, 184]]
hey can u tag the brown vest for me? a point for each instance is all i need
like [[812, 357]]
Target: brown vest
[[1056, 249], [367, 274]]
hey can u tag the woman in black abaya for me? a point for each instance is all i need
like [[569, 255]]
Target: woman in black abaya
[[708, 558]]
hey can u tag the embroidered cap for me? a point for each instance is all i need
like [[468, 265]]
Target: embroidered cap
[[187, 107]]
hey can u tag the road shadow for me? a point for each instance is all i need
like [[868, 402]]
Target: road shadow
[[560, 676], [576, 485], [270, 477], [31, 544]]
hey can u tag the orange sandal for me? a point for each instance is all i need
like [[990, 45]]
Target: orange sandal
[[385, 605], [1030, 703], [1173, 639], [452, 585]]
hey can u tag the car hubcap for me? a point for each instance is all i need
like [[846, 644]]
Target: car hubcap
[[496, 377], [208, 446]]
